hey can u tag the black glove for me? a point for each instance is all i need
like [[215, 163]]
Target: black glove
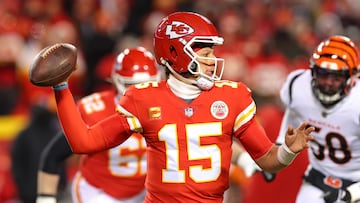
[[269, 177], [340, 195]]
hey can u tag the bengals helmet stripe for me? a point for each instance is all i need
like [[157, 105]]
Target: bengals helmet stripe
[[339, 51]]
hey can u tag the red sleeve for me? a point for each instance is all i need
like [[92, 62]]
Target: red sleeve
[[254, 139], [107, 133]]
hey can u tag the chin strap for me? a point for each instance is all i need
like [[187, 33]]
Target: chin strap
[[204, 83], [201, 82]]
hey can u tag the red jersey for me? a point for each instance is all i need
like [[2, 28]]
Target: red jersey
[[188, 145], [119, 171]]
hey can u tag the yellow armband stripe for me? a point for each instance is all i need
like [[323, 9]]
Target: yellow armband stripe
[[133, 122], [246, 115]]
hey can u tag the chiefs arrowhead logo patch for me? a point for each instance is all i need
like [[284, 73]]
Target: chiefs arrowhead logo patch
[[178, 29]]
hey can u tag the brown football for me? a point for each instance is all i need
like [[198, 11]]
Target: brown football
[[53, 64]]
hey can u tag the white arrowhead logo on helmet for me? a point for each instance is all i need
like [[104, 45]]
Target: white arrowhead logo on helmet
[[178, 29]]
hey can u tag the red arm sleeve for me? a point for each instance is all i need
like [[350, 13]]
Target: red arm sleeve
[[105, 134], [255, 140]]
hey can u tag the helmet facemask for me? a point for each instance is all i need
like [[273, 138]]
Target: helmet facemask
[[329, 95], [204, 81]]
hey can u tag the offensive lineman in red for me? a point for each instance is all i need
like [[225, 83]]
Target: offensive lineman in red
[[188, 121]]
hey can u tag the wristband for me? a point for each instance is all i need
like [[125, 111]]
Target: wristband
[[285, 155], [354, 191], [45, 198], [60, 86]]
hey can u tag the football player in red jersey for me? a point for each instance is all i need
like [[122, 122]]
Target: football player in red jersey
[[116, 175], [188, 121]]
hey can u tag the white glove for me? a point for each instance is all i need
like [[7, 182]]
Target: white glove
[[249, 166], [46, 199], [350, 195], [354, 191]]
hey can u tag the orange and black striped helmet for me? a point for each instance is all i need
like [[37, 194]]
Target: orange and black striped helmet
[[337, 56], [337, 53]]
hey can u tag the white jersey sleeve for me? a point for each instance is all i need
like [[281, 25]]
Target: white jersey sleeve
[[286, 91], [289, 117]]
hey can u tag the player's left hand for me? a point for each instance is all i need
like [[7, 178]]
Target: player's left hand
[[340, 195], [298, 139]]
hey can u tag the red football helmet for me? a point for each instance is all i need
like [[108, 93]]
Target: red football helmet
[[132, 66], [336, 56], [174, 40]]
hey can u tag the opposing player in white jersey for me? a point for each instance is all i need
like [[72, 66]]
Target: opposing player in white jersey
[[327, 96]]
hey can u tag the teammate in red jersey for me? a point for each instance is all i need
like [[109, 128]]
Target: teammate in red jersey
[[116, 175], [188, 121]]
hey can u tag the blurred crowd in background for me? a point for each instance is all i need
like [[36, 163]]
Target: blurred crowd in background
[[264, 40]]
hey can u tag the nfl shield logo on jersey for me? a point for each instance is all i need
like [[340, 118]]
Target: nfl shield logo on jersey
[[189, 112]]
